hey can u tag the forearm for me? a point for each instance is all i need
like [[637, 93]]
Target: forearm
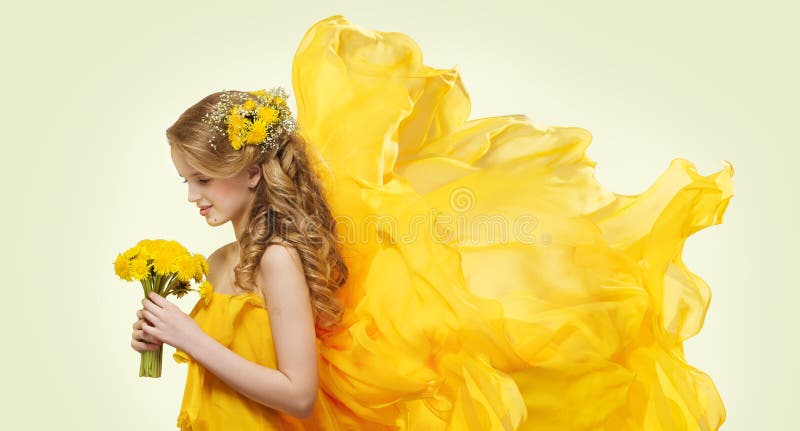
[[265, 385]]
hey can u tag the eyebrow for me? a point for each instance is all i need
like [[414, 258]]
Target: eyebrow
[[194, 174]]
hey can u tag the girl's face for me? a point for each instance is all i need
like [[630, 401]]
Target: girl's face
[[228, 198]]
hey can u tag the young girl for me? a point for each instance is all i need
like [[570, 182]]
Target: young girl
[[477, 276], [285, 260]]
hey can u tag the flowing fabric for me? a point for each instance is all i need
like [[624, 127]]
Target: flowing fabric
[[494, 283]]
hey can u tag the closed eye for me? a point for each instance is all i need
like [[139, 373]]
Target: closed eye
[[200, 181]]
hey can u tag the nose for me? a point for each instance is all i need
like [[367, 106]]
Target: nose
[[192, 195]]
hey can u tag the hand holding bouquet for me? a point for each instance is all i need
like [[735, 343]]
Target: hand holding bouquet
[[164, 267]]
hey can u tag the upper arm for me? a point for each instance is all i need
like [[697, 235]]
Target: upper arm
[[291, 319]]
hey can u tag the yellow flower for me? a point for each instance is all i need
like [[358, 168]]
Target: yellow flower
[[132, 252], [121, 267], [144, 243], [145, 247], [201, 267], [203, 264], [236, 125], [267, 114], [163, 253], [184, 267], [259, 93], [236, 141], [163, 262], [257, 132], [174, 247], [206, 289], [236, 122], [180, 288], [278, 100], [138, 268], [157, 245], [249, 105]]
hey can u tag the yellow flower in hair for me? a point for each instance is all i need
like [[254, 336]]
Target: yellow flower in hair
[[236, 141], [249, 105], [236, 125], [250, 117], [236, 122], [267, 114], [257, 132]]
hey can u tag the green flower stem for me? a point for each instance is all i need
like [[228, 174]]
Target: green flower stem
[[158, 284], [150, 362], [147, 285], [173, 280]]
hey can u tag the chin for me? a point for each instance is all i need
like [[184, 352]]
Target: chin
[[216, 220]]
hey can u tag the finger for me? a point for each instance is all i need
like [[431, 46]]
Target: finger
[[139, 314], [140, 346], [158, 299], [152, 319], [140, 335], [149, 306], [151, 335], [147, 303]]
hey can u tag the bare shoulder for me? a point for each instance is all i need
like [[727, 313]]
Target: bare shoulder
[[277, 253], [281, 272], [218, 258]]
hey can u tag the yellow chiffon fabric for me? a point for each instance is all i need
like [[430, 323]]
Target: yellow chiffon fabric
[[494, 283]]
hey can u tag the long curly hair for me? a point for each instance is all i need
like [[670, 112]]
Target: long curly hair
[[289, 204]]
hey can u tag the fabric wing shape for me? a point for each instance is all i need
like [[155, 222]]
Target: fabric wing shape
[[494, 283]]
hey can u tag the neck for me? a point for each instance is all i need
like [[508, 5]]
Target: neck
[[240, 221]]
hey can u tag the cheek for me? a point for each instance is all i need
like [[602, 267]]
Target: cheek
[[224, 194]]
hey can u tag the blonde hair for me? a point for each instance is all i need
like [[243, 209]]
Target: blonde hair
[[289, 205]]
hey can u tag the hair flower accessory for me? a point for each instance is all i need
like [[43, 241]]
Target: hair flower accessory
[[259, 117]]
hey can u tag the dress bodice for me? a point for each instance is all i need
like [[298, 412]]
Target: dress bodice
[[239, 322]]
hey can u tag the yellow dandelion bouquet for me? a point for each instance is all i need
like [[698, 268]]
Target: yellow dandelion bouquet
[[164, 267]]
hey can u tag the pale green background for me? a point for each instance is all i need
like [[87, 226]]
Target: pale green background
[[90, 87]]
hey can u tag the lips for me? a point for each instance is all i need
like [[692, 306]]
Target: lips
[[204, 210]]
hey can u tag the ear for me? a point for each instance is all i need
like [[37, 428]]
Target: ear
[[253, 174]]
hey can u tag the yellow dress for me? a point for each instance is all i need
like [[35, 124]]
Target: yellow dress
[[494, 283], [241, 323]]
